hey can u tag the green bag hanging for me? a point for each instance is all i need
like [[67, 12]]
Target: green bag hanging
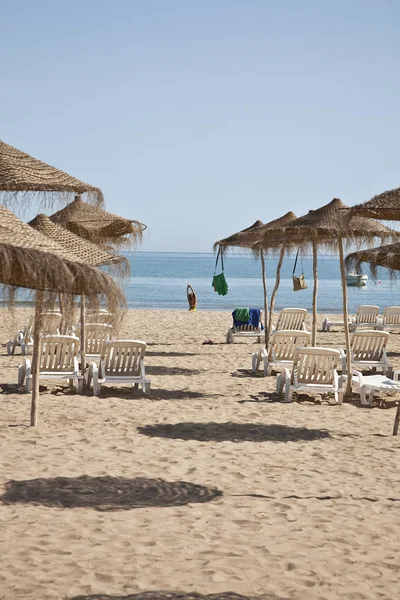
[[219, 282]]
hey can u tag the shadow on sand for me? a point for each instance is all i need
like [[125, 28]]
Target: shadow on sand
[[233, 432], [105, 493], [178, 596], [159, 370]]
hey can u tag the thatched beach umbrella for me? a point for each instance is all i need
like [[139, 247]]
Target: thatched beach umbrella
[[384, 256], [387, 256], [328, 227], [86, 252], [97, 225], [250, 238], [21, 174], [385, 206], [31, 260]]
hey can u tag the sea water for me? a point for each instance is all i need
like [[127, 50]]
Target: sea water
[[159, 280]]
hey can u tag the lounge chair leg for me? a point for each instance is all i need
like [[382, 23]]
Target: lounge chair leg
[[255, 361], [364, 400], [21, 374], [29, 383], [280, 383], [288, 391]]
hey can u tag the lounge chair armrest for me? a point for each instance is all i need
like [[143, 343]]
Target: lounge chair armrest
[[358, 375]]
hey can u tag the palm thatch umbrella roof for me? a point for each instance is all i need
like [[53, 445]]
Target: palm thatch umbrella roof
[[324, 226], [97, 225], [385, 206], [384, 256], [88, 253], [21, 174], [253, 235], [29, 259]]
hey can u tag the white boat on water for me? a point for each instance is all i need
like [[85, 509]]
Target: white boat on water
[[356, 279]]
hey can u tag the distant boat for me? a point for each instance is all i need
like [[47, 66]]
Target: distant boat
[[357, 280]]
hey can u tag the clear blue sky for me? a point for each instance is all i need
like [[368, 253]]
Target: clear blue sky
[[200, 116]]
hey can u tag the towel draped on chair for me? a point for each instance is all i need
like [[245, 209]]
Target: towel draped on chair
[[253, 317]]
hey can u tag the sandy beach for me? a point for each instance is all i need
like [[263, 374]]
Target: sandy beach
[[289, 501]]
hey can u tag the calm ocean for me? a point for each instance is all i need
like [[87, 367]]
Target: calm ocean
[[159, 280]]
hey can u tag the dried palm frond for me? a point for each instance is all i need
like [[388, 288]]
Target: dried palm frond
[[88, 253], [385, 206], [29, 259], [21, 176], [325, 226], [252, 236], [97, 225], [387, 256]]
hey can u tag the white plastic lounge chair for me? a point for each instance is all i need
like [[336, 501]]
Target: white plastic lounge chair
[[95, 336], [368, 384], [327, 324], [314, 370], [244, 331], [122, 362], [23, 336], [99, 316], [291, 319], [366, 317], [58, 360], [368, 351], [390, 318], [281, 351]]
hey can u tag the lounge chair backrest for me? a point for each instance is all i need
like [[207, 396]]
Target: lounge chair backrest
[[95, 336], [57, 352], [27, 331], [368, 345], [51, 322], [247, 327], [367, 314], [99, 316], [285, 342], [122, 357], [315, 365], [391, 315], [291, 318]]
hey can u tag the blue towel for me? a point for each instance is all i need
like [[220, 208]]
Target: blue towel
[[254, 319]]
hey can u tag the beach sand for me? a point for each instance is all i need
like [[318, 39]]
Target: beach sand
[[310, 498]]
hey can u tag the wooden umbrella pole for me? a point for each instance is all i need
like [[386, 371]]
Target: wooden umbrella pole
[[62, 310], [275, 290], [264, 278], [83, 340], [315, 296], [396, 421], [36, 358], [345, 319]]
